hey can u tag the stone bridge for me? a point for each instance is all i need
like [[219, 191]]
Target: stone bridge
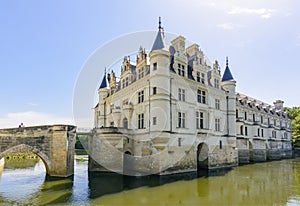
[[54, 144]]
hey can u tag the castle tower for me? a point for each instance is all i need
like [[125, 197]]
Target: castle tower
[[160, 80], [229, 84], [100, 109]]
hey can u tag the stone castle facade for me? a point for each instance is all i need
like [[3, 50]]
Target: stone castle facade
[[170, 112]]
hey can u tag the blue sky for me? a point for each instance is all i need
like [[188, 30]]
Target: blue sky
[[44, 45]]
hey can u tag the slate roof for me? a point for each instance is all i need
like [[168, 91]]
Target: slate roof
[[159, 42], [227, 76], [103, 83]]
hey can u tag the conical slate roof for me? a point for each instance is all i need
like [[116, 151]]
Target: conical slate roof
[[103, 83], [159, 42], [227, 76]]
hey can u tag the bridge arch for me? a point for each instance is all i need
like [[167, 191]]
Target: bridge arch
[[54, 144], [41, 155]]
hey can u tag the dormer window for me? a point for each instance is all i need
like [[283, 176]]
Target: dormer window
[[216, 83], [141, 73], [200, 77], [181, 70]]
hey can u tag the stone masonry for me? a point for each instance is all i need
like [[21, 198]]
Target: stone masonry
[[53, 144]]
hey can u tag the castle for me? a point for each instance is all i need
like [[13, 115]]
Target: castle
[[171, 112]]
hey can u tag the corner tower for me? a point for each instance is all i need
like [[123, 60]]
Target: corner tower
[[100, 113], [159, 59], [229, 85]]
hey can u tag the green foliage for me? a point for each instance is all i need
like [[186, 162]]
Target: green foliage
[[294, 115], [81, 142]]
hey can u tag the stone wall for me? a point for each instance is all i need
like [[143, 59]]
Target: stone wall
[[54, 144]]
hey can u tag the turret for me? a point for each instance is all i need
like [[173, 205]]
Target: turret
[[229, 85], [159, 55], [100, 112], [159, 59]]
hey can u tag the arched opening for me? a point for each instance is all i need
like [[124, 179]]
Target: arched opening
[[250, 151], [24, 170], [202, 156], [22, 147], [125, 123]]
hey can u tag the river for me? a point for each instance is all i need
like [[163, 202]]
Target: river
[[270, 183]]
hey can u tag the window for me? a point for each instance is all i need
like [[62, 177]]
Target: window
[[261, 119], [274, 122], [126, 82], [245, 115], [217, 124], [154, 121], [274, 134], [237, 113], [200, 77], [155, 66], [280, 123], [242, 130], [217, 103], [154, 90], [181, 70], [246, 131], [181, 120], [141, 96], [258, 132], [201, 96], [253, 117], [262, 132], [220, 144], [141, 73], [123, 83], [181, 94], [217, 83], [141, 121], [199, 120]]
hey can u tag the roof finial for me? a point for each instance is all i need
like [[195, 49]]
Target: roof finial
[[159, 24], [226, 61]]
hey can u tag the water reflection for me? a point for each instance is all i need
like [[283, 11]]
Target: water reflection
[[271, 183], [31, 185]]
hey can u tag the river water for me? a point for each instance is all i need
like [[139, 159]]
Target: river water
[[270, 183]]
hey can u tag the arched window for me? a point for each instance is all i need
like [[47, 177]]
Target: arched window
[[242, 130]]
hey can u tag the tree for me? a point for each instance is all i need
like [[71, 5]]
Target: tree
[[294, 115]]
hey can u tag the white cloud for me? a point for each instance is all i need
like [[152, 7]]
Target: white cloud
[[32, 118], [262, 12], [227, 26]]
